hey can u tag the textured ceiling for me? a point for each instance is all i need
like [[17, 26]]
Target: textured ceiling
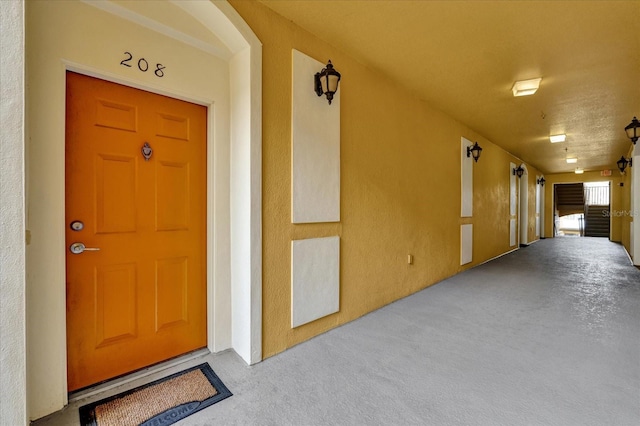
[[462, 57]]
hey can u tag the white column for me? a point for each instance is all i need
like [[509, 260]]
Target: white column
[[635, 206], [13, 387]]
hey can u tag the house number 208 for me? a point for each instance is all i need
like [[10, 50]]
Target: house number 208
[[143, 65]]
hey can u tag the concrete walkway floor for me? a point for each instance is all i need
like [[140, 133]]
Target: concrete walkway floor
[[547, 335]]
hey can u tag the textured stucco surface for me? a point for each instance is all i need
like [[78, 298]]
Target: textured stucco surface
[[399, 189], [547, 335], [12, 230]]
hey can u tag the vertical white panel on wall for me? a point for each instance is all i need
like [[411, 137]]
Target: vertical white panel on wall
[[512, 205], [466, 243], [315, 180], [523, 212], [537, 195], [466, 181], [542, 211], [315, 279], [635, 208], [512, 190], [631, 228], [537, 207]]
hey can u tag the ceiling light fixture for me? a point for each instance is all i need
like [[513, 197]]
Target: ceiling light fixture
[[526, 87], [569, 160], [326, 81], [557, 138], [633, 130], [579, 171], [623, 162]]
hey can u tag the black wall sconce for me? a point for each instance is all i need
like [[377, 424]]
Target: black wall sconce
[[519, 171], [623, 162], [633, 130], [326, 81], [541, 181], [474, 151]]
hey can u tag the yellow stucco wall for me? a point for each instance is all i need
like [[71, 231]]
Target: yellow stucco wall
[[400, 187], [619, 196]]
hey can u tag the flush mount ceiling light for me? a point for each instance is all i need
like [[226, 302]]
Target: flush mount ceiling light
[[526, 87], [579, 171], [557, 138], [633, 130], [569, 160]]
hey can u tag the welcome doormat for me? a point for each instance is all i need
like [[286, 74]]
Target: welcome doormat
[[160, 403]]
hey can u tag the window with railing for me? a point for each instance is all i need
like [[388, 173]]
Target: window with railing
[[596, 193]]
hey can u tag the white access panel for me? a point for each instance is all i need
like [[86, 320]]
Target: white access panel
[[315, 168], [315, 279], [512, 232], [466, 243]]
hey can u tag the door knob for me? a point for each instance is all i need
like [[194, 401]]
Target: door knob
[[77, 248]]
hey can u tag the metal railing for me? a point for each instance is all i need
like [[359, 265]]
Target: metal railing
[[596, 195]]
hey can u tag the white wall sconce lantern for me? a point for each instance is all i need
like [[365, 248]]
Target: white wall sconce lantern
[[474, 151], [326, 81], [633, 130], [623, 162], [519, 171]]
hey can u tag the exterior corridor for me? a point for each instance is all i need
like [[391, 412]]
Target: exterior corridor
[[546, 335]]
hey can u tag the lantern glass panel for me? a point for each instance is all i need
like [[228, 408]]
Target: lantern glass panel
[[632, 132], [333, 82], [323, 82]]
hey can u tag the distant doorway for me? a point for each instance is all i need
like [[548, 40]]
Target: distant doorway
[[597, 219], [582, 209]]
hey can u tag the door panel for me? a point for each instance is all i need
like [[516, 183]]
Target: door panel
[[115, 194], [141, 298]]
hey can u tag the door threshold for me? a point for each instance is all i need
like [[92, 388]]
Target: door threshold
[[137, 375]]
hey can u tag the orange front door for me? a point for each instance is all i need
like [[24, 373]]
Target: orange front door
[[141, 298]]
